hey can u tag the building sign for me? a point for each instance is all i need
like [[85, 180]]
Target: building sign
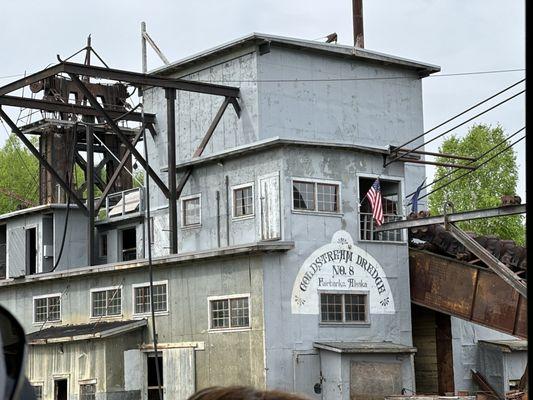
[[344, 267]]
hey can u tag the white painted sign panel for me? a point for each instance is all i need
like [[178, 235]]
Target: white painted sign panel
[[341, 266]]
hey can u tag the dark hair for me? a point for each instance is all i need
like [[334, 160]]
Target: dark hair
[[242, 393]]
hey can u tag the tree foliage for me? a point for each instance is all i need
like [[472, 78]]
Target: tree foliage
[[19, 171], [483, 187]]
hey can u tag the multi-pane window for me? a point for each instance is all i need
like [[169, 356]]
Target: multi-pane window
[[391, 207], [47, 308], [38, 392], [141, 298], [88, 391], [243, 201], [190, 211], [106, 302], [343, 308], [315, 196], [229, 313]]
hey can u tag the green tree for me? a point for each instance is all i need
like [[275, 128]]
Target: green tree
[[483, 187], [19, 171]]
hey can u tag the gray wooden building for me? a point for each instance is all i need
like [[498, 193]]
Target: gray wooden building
[[280, 280]]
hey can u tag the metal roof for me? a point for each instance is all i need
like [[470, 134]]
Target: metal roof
[[506, 346], [37, 209], [330, 49], [364, 347], [94, 330]]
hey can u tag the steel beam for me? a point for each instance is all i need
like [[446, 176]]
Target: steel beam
[[83, 164], [28, 80], [170, 95], [52, 106], [430, 153], [90, 194], [148, 80], [441, 164], [114, 127], [115, 175], [43, 161], [492, 262], [203, 144], [456, 217]]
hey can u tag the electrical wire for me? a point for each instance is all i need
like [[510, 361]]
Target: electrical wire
[[477, 167], [461, 113], [455, 127], [471, 162]]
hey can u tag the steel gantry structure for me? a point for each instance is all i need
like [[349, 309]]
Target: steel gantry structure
[[87, 105]]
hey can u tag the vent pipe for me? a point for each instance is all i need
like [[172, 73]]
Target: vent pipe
[[358, 35]]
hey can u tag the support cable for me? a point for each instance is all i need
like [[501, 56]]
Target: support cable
[[150, 266], [462, 113], [471, 162], [477, 167], [455, 127]]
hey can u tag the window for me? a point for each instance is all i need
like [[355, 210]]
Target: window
[[129, 244], [190, 211], [47, 308], [392, 210], [243, 201], [106, 302], [141, 298], [230, 312], [88, 391], [153, 388], [315, 196], [343, 308], [102, 245], [38, 391]]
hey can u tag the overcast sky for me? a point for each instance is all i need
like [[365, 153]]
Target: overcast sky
[[458, 35]]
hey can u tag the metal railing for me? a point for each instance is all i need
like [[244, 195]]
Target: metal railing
[[367, 227], [127, 202]]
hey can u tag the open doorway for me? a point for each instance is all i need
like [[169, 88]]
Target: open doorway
[[60, 389], [432, 338], [31, 251], [128, 241]]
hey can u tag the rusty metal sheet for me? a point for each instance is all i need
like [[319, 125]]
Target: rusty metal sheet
[[496, 302], [438, 284], [466, 291]]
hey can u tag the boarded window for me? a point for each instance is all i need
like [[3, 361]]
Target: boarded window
[[343, 308], [47, 309], [142, 298], [107, 302], [191, 211], [230, 313], [88, 391]]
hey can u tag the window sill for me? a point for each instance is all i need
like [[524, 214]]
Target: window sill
[[403, 242], [149, 314], [107, 317], [243, 217], [190, 227], [318, 213], [222, 330], [47, 322], [344, 324]]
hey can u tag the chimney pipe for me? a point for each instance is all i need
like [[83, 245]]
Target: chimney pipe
[[358, 35]]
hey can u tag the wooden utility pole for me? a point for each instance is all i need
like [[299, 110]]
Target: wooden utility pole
[[358, 34]]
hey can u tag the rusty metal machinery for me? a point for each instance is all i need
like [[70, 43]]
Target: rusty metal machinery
[[438, 240]]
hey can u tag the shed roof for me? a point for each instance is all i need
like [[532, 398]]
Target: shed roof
[[94, 330], [506, 346], [331, 49], [364, 347]]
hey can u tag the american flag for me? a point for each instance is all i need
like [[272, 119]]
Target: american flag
[[374, 196]]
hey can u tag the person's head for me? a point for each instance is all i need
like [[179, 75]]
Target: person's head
[[243, 393]]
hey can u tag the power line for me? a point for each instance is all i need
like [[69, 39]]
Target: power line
[[455, 127], [477, 167], [471, 162], [462, 113], [499, 71]]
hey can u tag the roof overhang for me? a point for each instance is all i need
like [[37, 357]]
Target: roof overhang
[[94, 330], [365, 347]]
